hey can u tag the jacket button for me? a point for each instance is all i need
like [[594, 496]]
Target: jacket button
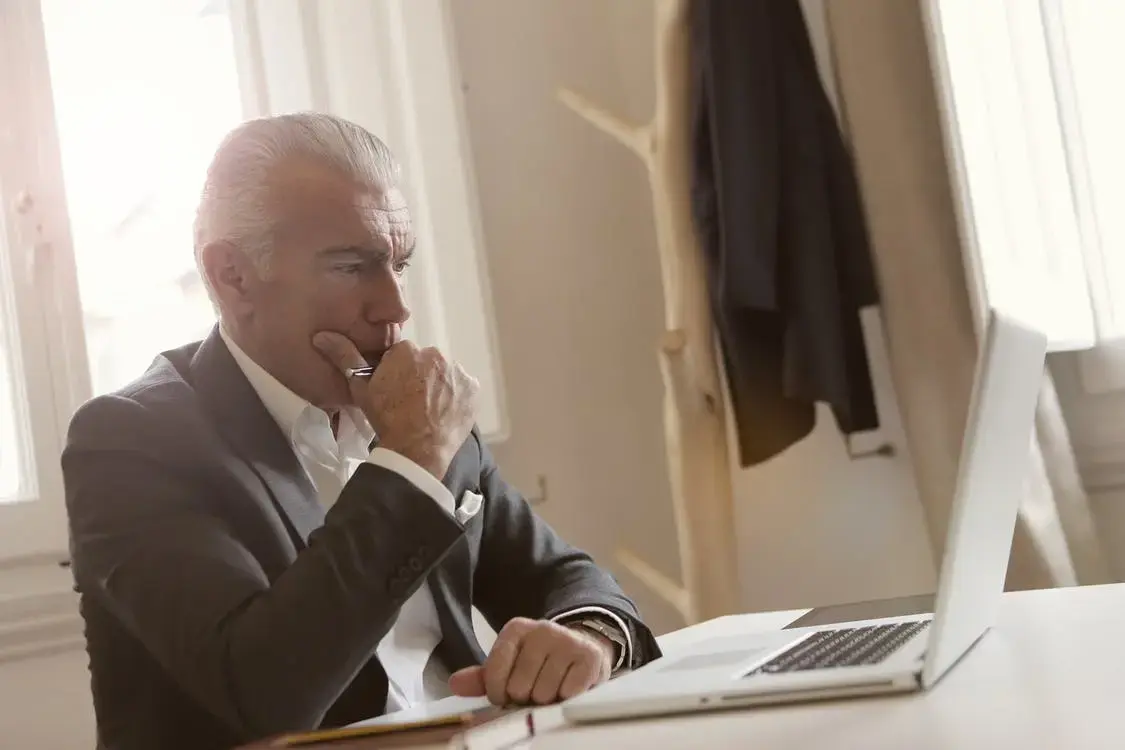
[[404, 573], [416, 565]]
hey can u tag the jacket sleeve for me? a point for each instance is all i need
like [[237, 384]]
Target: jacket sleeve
[[263, 656], [526, 570]]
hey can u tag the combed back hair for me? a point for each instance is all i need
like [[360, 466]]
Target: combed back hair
[[233, 206]]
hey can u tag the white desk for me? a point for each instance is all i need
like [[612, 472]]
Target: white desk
[[1050, 676]]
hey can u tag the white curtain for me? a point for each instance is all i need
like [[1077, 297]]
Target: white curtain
[[1033, 120], [1085, 40]]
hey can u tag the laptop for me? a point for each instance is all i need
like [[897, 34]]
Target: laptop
[[887, 655]]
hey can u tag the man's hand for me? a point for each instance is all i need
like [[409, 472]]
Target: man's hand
[[537, 661], [419, 403]]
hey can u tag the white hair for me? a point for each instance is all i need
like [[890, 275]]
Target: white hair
[[233, 205]]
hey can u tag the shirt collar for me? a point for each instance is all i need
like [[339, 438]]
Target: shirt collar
[[293, 414]]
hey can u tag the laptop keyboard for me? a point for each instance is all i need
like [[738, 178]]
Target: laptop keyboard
[[843, 647]]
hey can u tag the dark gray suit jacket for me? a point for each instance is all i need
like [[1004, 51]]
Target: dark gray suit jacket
[[222, 604], [781, 225]]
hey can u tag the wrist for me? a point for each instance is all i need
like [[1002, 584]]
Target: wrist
[[611, 650], [428, 459]]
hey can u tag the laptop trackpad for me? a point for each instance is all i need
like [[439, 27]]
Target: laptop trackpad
[[735, 656], [730, 659]]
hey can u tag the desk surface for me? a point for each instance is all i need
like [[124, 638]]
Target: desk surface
[[1048, 676]]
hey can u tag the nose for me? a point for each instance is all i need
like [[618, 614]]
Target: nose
[[387, 301]]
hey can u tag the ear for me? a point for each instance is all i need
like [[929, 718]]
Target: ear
[[232, 275]]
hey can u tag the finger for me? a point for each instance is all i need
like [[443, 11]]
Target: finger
[[468, 682], [582, 675], [535, 649], [550, 679], [498, 666], [497, 669], [339, 350], [462, 376], [403, 347]]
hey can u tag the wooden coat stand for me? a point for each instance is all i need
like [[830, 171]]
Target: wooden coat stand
[[695, 425]]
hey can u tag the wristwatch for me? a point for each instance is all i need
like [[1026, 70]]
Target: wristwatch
[[607, 631]]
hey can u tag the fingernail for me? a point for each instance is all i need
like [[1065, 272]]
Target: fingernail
[[322, 340]]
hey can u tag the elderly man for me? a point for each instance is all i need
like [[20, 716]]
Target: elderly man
[[268, 537]]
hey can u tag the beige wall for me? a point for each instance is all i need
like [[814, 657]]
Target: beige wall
[[573, 273], [568, 230], [1097, 430], [45, 703]]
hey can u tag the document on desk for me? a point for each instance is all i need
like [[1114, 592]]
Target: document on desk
[[454, 705], [450, 724], [494, 729]]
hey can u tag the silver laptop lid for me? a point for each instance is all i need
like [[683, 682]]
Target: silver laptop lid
[[991, 479]]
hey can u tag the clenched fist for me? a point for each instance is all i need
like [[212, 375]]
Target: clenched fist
[[420, 404], [537, 661]]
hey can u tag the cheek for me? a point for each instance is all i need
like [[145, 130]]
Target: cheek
[[337, 305]]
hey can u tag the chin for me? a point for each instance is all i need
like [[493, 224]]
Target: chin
[[332, 391]]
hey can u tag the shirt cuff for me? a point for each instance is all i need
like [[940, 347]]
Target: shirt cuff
[[626, 656], [415, 474]]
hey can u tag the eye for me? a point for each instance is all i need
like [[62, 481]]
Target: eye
[[401, 266], [350, 269]]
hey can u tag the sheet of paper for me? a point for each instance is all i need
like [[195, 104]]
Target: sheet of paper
[[454, 704]]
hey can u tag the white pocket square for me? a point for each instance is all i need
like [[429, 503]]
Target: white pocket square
[[471, 503]]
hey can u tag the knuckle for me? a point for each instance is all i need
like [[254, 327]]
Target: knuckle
[[520, 624], [519, 692], [540, 637], [392, 358]]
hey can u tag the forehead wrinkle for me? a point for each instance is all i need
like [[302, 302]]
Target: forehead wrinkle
[[393, 223]]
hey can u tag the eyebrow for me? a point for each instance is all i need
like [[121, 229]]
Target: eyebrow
[[368, 253]]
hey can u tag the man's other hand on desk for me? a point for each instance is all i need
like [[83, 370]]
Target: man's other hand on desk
[[537, 661]]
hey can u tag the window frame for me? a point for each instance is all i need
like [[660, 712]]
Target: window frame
[[1027, 67], [1088, 363], [40, 260]]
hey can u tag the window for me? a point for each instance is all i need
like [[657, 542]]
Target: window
[[1033, 122], [135, 142], [1088, 48], [13, 423], [116, 110]]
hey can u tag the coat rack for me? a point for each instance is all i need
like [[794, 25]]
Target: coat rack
[[695, 423]]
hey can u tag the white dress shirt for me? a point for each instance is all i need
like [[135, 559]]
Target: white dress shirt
[[330, 460]]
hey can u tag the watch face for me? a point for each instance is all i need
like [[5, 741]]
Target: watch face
[[611, 634]]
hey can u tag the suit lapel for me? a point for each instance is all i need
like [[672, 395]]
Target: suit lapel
[[244, 422]]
